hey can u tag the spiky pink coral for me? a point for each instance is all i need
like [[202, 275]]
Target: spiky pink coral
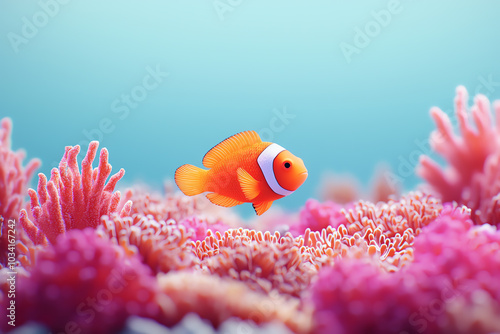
[[14, 178], [455, 269], [473, 158], [85, 283], [71, 200], [163, 246]]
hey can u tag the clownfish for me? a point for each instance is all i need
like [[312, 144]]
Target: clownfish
[[243, 168]]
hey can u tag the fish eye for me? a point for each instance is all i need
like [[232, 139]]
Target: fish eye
[[287, 164]]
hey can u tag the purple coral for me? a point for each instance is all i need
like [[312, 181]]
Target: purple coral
[[472, 175], [71, 200], [85, 283]]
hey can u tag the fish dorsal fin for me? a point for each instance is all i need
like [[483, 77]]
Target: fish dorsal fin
[[222, 200], [248, 184], [230, 145], [262, 207]]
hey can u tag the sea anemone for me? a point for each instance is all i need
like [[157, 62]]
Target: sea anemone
[[71, 200], [472, 175], [264, 261], [163, 246], [85, 283]]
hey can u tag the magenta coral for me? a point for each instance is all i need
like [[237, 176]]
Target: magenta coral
[[85, 283], [163, 246], [200, 227], [14, 178], [317, 216], [471, 177], [449, 288], [71, 200]]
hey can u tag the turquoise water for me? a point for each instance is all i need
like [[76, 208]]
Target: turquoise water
[[342, 84]]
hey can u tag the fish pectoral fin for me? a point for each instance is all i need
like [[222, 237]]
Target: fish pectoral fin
[[230, 145], [248, 184], [262, 207], [222, 200]]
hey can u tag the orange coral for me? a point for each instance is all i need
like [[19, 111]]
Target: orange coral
[[163, 246], [218, 299], [262, 260]]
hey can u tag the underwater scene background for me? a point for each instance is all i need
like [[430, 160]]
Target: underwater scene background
[[392, 106]]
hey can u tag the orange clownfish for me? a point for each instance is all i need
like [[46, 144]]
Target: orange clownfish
[[242, 169]]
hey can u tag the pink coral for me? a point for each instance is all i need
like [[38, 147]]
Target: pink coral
[[14, 178], [85, 283], [471, 177], [317, 216], [200, 227], [71, 200], [163, 246], [449, 288], [386, 230]]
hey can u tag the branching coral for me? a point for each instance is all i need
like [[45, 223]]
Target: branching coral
[[261, 260], [71, 200], [14, 178], [163, 246], [85, 283], [218, 299], [455, 269], [472, 175]]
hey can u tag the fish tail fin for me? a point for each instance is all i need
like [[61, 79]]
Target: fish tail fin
[[191, 179]]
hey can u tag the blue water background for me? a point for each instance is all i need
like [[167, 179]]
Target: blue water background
[[233, 66]]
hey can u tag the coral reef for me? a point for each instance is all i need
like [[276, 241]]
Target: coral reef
[[455, 269], [85, 283], [70, 200], [92, 261], [472, 175]]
